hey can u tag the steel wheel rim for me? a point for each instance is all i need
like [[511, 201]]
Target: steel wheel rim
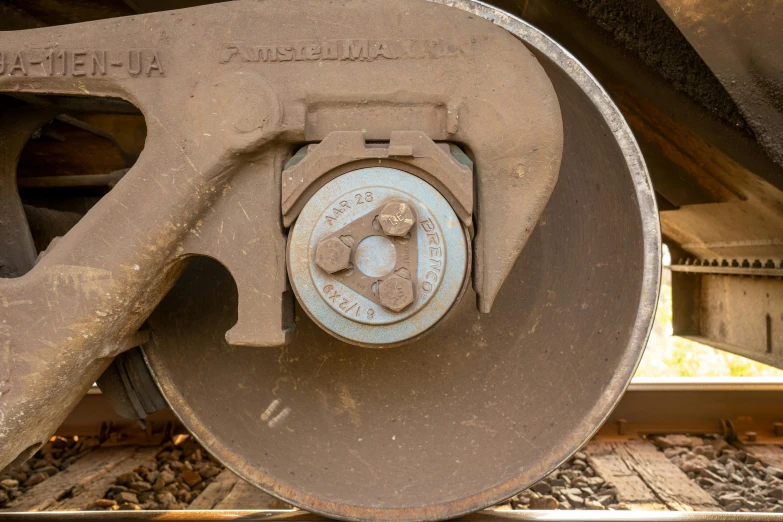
[[650, 263]]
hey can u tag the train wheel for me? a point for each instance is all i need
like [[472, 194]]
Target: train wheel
[[458, 420]]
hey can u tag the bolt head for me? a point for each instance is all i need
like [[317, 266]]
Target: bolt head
[[332, 255], [395, 293], [396, 218]]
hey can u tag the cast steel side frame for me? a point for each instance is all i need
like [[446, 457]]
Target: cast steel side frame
[[227, 94]]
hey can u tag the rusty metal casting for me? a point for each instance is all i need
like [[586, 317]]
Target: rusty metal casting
[[129, 386], [443, 166], [333, 255], [396, 218], [226, 92], [490, 515], [747, 294], [739, 42], [192, 241], [478, 410], [362, 283], [661, 406], [396, 292], [17, 250]]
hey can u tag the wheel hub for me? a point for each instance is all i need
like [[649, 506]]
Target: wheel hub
[[377, 257]]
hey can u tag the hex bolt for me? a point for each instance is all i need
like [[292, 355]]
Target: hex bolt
[[396, 218], [778, 427], [395, 293], [332, 255], [751, 436]]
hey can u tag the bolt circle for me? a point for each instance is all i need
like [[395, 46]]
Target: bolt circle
[[332, 255], [395, 293], [355, 313], [396, 218]]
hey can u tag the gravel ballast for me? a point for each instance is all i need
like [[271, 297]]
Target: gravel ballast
[[181, 469], [737, 479], [170, 482], [55, 456], [574, 485]]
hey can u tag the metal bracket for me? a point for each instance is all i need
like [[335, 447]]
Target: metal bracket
[[411, 151]]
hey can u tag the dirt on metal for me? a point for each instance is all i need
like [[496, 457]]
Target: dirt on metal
[[739, 40], [409, 428], [224, 109], [643, 28], [229, 92]]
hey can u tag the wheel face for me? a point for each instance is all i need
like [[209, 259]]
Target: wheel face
[[465, 417], [347, 313]]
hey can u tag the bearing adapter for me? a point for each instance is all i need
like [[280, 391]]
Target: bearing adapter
[[377, 256]]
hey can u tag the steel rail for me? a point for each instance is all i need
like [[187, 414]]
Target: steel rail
[[300, 516], [648, 406], [732, 407]]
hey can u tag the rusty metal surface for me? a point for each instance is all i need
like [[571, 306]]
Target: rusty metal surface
[[417, 432], [697, 405], [489, 515], [680, 405], [433, 261], [17, 251], [733, 267], [740, 42], [412, 152], [224, 109], [735, 309], [85, 180], [720, 194], [129, 386]]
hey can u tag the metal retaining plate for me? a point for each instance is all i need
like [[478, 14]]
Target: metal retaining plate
[[352, 313]]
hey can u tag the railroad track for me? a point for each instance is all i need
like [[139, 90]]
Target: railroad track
[[389, 261], [649, 406], [635, 467], [245, 515]]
